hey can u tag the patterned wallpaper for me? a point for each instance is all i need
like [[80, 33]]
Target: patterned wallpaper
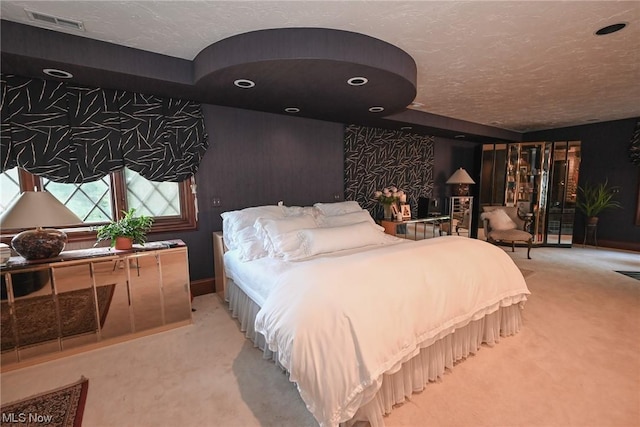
[[378, 158]]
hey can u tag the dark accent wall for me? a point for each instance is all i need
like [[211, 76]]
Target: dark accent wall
[[450, 155], [259, 158], [378, 158], [256, 159], [605, 155]]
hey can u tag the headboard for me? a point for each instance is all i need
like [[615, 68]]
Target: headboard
[[219, 249]]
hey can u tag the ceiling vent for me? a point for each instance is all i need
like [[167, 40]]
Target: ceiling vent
[[56, 21]]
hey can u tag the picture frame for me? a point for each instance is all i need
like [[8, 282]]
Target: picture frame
[[406, 211], [394, 210]]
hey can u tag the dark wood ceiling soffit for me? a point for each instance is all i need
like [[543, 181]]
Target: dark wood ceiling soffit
[[307, 68]]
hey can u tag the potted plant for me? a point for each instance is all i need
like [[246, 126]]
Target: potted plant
[[125, 231], [593, 199]]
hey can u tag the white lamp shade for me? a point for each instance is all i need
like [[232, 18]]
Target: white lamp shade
[[460, 177], [37, 209]]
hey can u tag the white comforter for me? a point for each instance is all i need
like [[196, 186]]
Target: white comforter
[[338, 324]]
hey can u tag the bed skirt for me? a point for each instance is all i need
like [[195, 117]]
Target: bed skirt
[[412, 376]]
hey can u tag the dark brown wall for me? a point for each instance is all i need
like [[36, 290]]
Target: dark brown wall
[[605, 155], [259, 158]]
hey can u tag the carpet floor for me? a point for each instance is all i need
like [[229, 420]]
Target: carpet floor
[[576, 362]]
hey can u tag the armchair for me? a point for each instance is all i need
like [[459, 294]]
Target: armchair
[[506, 226]]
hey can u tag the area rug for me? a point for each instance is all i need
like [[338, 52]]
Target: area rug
[[633, 274], [37, 321], [62, 407]]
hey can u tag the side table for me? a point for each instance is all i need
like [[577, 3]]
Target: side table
[[390, 227]]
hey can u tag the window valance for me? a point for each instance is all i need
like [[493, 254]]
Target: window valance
[[634, 149], [73, 134]]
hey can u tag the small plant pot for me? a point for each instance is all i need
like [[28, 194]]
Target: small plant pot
[[592, 220], [123, 243]]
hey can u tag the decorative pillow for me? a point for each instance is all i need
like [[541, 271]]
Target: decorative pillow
[[331, 239], [499, 220], [338, 208], [346, 219], [235, 221], [301, 210], [275, 233]]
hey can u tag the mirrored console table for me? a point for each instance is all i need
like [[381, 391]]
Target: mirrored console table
[[85, 299], [417, 229]]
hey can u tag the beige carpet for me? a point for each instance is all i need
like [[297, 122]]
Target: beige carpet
[[576, 362]]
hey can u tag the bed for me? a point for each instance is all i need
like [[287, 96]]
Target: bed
[[359, 319]]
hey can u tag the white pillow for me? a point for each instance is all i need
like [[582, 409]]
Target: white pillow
[[338, 208], [248, 245], [300, 210], [331, 239], [346, 219], [499, 220], [275, 233], [235, 221]]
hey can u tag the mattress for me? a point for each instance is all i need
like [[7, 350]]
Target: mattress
[[258, 277]]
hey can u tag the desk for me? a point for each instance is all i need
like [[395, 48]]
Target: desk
[[391, 227]]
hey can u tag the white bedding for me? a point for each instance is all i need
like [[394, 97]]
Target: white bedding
[[257, 277], [339, 322]]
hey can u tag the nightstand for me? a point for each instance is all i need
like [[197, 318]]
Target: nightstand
[[416, 229]]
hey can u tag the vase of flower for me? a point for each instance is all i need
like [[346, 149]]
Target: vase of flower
[[388, 213], [388, 197]]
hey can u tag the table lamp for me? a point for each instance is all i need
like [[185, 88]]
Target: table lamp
[[38, 209], [462, 179]]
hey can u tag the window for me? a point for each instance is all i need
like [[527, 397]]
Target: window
[[171, 204], [9, 188], [91, 201]]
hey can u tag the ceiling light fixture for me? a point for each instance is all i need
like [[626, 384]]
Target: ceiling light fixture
[[610, 29], [417, 104], [292, 110], [376, 109], [406, 128], [460, 136], [244, 83], [60, 74], [358, 81]]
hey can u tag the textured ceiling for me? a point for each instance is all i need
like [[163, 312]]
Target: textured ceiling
[[525, 65]]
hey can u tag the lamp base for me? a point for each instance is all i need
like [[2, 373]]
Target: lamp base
[[40, 243], [462, 190]]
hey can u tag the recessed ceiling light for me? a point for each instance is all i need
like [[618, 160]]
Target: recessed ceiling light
[[406, 128], [244, 83], [610, 29], [292, 110], [417, 104], [358, 81], [376, 109], [460, 136], [60, 74]]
